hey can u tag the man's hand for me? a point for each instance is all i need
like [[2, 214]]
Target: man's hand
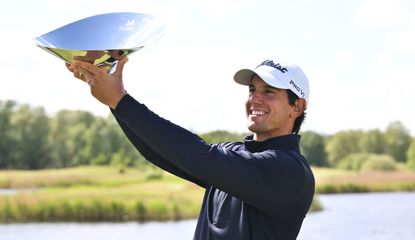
[[107, 88]]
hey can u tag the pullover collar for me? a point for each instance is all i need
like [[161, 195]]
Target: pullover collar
[[291, 142]]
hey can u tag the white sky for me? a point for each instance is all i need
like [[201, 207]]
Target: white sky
[[358, 55]]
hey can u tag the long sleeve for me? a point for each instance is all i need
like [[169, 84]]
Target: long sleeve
[[153, 156]]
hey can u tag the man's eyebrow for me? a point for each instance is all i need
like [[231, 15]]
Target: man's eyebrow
[[271, 87], [268, 87]]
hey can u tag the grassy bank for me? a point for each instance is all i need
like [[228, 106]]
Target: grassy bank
[[89, 194], [97, 194], [344, 181]]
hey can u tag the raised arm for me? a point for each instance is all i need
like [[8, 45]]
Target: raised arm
[[154, 157]]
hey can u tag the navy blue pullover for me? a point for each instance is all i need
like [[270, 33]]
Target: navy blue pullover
[[254, 190]]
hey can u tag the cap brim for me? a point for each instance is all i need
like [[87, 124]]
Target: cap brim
[[244, 76]]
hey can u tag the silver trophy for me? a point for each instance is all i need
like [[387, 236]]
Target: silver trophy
[[102, 39]]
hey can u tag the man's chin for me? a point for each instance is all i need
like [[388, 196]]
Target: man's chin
[[253, 127]]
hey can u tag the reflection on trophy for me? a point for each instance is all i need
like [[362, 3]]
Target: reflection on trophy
[[102, 39]]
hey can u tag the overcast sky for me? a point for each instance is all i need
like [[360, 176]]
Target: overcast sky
[[358, 55]]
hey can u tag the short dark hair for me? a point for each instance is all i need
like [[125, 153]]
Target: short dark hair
[[300, 119]]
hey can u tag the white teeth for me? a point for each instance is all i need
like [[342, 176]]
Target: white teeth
[[255, 112]]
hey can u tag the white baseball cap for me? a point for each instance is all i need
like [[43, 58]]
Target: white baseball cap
[[279, 75]]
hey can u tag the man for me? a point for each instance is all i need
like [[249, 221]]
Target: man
[[260, 188]]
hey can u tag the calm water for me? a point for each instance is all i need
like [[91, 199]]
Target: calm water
[[371, 216]]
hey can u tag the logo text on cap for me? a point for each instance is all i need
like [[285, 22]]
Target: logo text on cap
[[297, 88], [274, 65]]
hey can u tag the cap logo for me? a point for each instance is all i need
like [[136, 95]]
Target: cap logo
[[297, 88], [274, 65]]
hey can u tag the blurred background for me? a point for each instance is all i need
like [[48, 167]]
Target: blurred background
[[66, 167]]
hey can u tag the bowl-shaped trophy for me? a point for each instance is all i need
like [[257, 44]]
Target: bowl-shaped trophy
[[102, 39]]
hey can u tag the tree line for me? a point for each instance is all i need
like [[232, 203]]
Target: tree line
[[357, 149], [30, 139]]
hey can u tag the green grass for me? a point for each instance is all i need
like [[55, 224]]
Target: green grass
[[98, 194], [97, 176], [105, 194], [342, 181]]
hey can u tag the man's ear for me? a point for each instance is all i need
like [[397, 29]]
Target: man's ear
[[299, 106]]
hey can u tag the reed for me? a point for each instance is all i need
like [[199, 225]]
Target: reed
[[27, 209]]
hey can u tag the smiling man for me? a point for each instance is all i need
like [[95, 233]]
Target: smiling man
[[278, 96], [260, 188]]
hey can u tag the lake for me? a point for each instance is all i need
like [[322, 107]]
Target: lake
[[368, 216]]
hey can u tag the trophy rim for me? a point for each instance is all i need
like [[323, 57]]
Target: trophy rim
[[152, 24]]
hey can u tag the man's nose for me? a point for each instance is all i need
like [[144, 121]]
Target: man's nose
[[255, 97]]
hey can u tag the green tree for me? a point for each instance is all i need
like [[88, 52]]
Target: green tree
[[99, 141], [30, 129], [123, 152], [379, 162], [6, 111], [373, 141], [106, 144], [397, 141], [313, 148], [67, 136], [222, 136], [342, 144], [410, 155], [353, 161]]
